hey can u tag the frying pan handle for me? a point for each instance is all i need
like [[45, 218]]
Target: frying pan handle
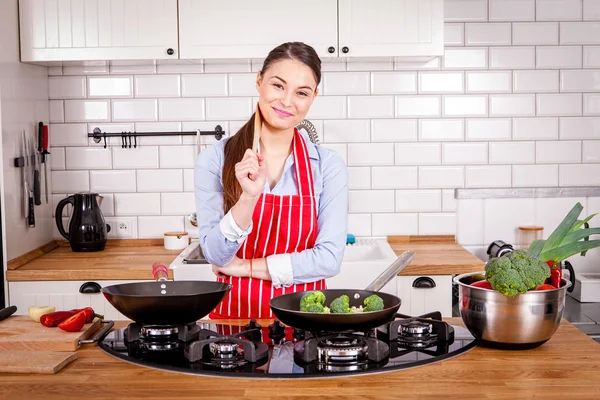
[[393, 270], [160, 272], [99, 335]]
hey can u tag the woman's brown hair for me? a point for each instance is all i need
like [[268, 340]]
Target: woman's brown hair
[[237, 145]]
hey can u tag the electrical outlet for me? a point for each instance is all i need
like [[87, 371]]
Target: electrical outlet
[[122, 228]]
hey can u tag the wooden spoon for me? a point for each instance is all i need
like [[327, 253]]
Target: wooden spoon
[[257, 128]]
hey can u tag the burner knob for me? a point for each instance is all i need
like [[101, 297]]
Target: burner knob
[[298, 334], [276, 331], [252, 325]]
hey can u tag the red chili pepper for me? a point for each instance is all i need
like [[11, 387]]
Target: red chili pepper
[[555, 276], [74, 323], [89, 314], [53, 319]]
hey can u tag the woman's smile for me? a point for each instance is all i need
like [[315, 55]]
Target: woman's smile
[[281, 113]]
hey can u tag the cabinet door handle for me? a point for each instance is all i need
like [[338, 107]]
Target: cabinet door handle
[[90, 287], [423, 282], [345, 49], [170, 51], [331, 49]]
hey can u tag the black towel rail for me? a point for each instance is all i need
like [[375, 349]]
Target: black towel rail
[[98, 135]]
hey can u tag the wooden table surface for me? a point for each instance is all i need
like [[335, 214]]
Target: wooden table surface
[[566, 367]]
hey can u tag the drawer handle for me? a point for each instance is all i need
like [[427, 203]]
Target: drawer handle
[[90, 287], [424, 282]]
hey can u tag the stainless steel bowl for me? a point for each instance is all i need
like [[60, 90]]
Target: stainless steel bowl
[[523, 322]]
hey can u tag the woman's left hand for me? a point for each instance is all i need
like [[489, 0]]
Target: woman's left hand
[[237, 267]]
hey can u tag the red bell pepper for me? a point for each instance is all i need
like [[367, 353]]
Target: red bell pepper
[[74, 323], [89, 314], [482, 284], [53, 319], [555, 274]]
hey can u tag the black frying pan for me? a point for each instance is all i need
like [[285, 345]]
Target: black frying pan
[[287, 307], [178, 302]]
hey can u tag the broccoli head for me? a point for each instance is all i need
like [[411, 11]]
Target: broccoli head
[[516, 272], [373, 303], [340, 305], [315, 308], [315, 297]]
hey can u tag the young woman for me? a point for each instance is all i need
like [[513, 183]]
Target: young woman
[[273, 219]]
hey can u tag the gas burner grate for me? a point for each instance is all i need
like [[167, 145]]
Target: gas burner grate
[[417, 332]]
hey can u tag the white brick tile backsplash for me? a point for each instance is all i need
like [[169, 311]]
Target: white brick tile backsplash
[[469, 221], [538, 81], [488, 176], [182, 109], [109, 86], [88, 158], [371, 201], [441, 129], [57, 161], [418, 106], [340, 148], [346, 83], [487, 34], [579, 33], [508, 105], [370, 154], [327, 107], [441, 177], [535, 128], [465, 106], [394, 177], [242, 84], [393, 130], [52, 71], [393, 82], [512, 153], [454, 34], [591, 151], [580, 80], [558, 56], [134, 110], [558, 152], [359, 224], [70, 181], [395, 224], [177, 203], [155, 227], [56, 110], [488, 129], [401, 64], [67, 135], [488, 82], [136, 158], [448, 200], [359, 178], [113, 181], [87, 110], [160, 180], [179, 66], [512, 10], [177, 156], [534, 33], [368, 64], [90, 68], [63, 87], [157, 86], [465, 10], [418, 200], [418, 153], [370, 106], [579, 128], [137, 204], [591, 56], [535, 175], [132, 67], [464, 153], [579, 175], [342, 131], [558, 10], [188, 180], [502, 217], [559, 104], [441, 82], [591, 104], [227, 66], [591, 10], [512, 57], [463, 58], [204, 85], [437, 223]]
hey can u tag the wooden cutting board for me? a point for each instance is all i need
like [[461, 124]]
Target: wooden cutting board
[[22, 333], [34, 362]]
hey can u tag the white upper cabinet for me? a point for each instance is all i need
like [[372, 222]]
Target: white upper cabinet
[[400, 28], [60, 30], [251, 28]]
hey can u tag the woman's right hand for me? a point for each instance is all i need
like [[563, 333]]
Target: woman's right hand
[[251, 173]]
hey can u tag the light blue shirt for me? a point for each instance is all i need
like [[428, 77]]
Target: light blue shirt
[[220, 238]]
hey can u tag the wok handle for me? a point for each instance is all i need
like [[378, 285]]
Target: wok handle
[[393, 270], [99, 335], [160, 272]]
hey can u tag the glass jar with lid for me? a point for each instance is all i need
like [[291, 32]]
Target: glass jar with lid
[[527, 234]]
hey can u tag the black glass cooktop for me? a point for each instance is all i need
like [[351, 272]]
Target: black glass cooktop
[[273, 351]]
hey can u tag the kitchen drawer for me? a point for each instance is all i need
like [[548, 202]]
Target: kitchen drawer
[[421, 294], [64, 295]]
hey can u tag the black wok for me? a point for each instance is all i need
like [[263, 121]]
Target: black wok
[[287, 307], [166, 302]]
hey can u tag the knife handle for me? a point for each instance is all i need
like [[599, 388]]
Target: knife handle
[[31, 214], [37, 196], [7, 312]]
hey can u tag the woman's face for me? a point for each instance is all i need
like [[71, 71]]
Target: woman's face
[[286, 92]]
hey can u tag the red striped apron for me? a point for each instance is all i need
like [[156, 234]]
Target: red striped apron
[[281, 224]]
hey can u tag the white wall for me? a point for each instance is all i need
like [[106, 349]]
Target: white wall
[[24, 102]]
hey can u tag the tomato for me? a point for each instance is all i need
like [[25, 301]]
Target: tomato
[[482, 284], [545, 286]]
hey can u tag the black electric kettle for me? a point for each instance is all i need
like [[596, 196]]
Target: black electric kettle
[[87, 228]]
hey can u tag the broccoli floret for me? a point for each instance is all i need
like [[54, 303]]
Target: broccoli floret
[[315, 308], [315, 297], [326, 310], [373, 303], [341, 305], [516, 272]]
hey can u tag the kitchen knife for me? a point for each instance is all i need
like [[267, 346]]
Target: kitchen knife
[[7, 312], [31, 211], [45, 153], [24, 176]]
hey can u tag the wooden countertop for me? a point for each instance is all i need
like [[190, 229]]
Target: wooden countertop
[[566, 367]]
